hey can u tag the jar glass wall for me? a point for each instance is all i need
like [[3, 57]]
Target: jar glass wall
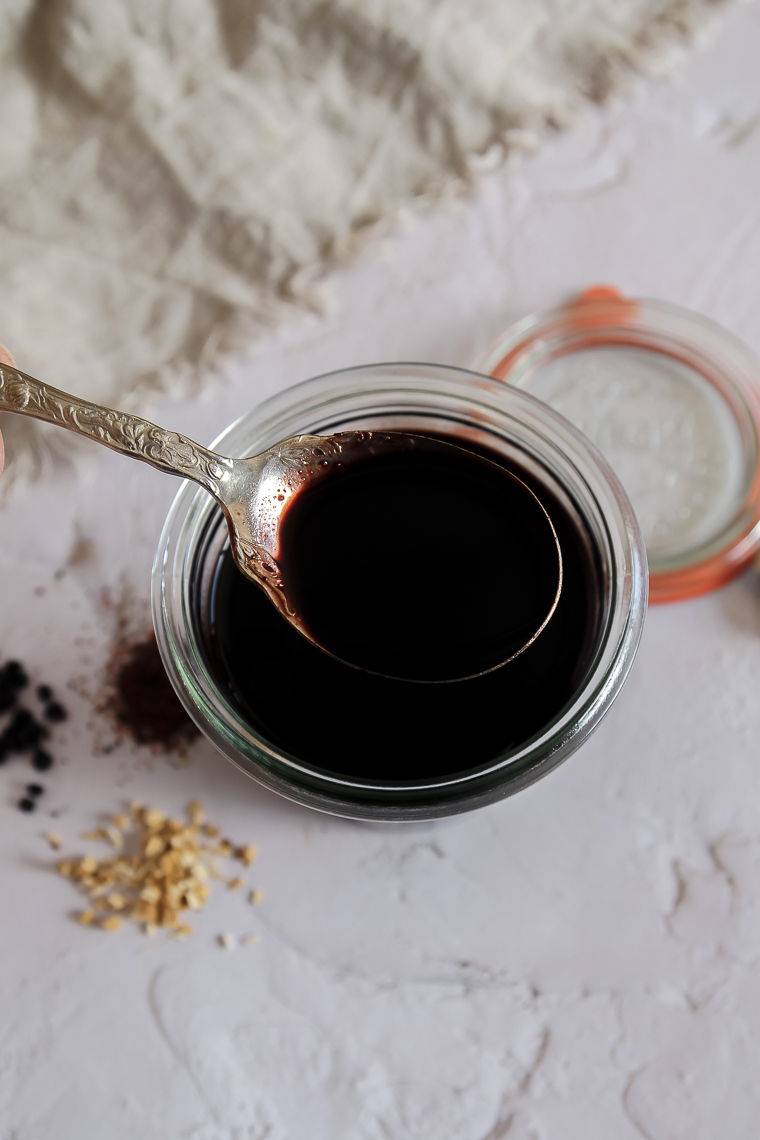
[[480, 413]]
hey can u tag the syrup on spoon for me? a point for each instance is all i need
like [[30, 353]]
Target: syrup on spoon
[[400, 554]]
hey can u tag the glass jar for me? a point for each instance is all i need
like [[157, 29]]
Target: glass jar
[[479, 412], [673, 402]]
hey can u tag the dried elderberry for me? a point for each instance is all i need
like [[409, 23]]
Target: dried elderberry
[[41, 760], [23, 733], [14, 675]]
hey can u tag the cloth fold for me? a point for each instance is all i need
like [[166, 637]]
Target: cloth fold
[[174, 171]]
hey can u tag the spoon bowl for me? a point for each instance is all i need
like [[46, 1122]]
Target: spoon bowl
[[260, 497]]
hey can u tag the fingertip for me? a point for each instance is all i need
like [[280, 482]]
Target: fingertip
[[5, 357]]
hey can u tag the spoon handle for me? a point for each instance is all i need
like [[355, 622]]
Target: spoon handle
[[131, 435]]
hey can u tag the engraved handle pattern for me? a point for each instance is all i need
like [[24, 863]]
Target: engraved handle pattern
[[257, 563], [130, 435]]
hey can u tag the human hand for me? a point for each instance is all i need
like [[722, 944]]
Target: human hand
[[5, 358]]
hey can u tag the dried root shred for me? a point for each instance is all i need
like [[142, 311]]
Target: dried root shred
[[246, 855], [165, 877]]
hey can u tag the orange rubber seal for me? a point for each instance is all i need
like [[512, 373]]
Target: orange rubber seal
[[602, 316]]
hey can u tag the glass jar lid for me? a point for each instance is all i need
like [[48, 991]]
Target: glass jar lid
[[672, 401]]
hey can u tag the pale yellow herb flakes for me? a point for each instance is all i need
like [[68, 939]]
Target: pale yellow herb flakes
[[167, 876], [115, 837], [247, 854], [154, 846], [195, 812]]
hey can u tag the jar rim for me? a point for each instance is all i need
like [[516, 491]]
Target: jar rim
[[356, 396], [603, 318]]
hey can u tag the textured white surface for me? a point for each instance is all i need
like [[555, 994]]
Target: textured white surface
[[581, 962]]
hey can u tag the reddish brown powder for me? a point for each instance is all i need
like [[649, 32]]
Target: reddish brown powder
[[144, 702]]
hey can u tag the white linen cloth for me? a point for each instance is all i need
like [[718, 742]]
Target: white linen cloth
[[173, 171]]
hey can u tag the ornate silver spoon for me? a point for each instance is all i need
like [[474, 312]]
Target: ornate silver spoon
[[255, 494]]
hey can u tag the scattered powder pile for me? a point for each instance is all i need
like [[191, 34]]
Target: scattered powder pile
[[166, 875], [143, 701]]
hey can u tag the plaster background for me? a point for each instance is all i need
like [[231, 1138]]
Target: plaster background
[[580, 962]]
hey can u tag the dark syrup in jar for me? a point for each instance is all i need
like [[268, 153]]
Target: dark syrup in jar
[[419, 560], [362, 725]]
